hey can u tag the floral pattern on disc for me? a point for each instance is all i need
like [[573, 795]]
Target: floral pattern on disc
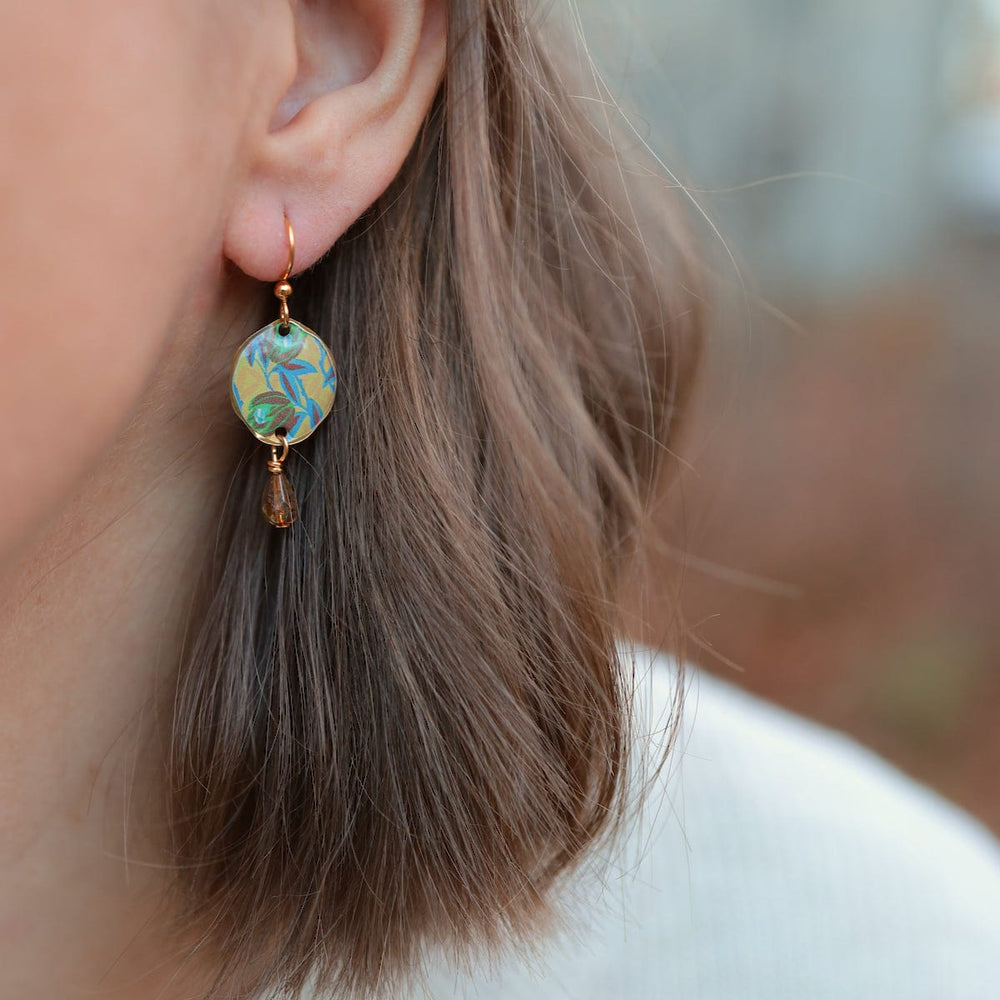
[[283, 381]]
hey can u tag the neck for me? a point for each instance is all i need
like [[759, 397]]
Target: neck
[[92, 619]]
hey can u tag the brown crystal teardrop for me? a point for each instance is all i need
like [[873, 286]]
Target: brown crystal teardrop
[[278, 503]]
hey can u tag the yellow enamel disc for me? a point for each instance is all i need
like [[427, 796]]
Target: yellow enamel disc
[[283, 383]]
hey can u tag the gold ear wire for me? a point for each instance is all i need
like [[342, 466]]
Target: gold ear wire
[[282, 288], [291, 250]]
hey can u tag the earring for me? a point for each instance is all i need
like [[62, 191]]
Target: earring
[[283, 383]]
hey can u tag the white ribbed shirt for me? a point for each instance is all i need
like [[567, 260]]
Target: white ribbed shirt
[[774, 859]]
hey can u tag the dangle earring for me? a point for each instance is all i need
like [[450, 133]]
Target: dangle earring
[[283, 384]]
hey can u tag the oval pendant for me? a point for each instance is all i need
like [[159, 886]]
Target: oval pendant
[[283, 383]]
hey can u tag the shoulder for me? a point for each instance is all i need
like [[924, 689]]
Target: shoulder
[[774, 771], [771, 857]]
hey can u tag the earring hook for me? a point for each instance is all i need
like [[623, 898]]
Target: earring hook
[[282, 289], [291, 249]]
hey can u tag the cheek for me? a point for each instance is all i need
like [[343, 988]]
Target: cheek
[[119, 140]]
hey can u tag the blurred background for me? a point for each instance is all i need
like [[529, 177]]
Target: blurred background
[[840, 512]]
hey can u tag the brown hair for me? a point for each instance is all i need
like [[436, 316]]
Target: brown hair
[[403, 719]]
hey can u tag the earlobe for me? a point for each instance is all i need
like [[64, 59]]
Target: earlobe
[[367, 74]]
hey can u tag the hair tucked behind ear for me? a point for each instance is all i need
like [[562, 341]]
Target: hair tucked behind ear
[[403, 719]]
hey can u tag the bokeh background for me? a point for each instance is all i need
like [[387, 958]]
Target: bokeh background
[[837, 531]]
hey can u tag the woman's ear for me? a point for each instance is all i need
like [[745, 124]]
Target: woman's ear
[[366, 74]]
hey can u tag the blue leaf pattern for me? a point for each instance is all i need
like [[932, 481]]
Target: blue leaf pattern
[[297, 425], [329, 375], [295, 379]]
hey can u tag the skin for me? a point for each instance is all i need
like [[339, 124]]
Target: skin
[[150, 151]]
